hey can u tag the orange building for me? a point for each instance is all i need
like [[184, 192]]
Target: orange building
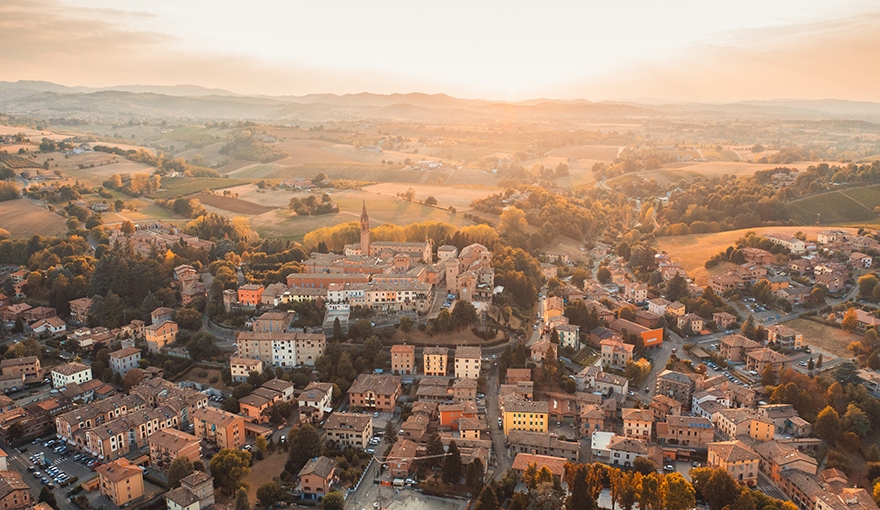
[[317, 477], [250, 294], [160, 335], [451, 414], [121, 481], [224, 429], [168, 444], [15, 494]]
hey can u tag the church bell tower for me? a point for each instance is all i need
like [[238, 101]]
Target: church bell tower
[[365, 232]]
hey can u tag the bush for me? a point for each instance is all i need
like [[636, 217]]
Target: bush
[[213, 379]]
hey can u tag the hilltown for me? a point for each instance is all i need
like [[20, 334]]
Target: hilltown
[[605, 372]]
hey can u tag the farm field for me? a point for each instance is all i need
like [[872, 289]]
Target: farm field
[[460, 198], [595, 152], [382, 209], [692, 251], [231, 204], [23, 219], [723, 155], [844, 206], [826, 338], [174, 186], [360, 172]]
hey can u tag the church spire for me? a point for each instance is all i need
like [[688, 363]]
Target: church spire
[[365, 231]]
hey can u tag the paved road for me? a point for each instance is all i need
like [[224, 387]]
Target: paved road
[[502, 459]]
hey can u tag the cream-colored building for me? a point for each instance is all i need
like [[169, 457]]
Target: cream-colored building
[[71, 373], [281, 348], [241, 368], [468, 362]]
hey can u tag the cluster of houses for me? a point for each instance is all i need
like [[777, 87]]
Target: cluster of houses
[[157, 237], [829, 261], [384, 276]]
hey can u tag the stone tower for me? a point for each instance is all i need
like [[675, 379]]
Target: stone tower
[[365, 232]]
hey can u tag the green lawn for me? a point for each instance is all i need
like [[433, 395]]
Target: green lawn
[[835, 207]]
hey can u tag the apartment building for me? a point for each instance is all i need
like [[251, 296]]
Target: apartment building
[[160, 335], [616, 354], [123, 360], [169, 443], [224, 429], [737, 458], [403, 359], [70, 373], [375, 391], [281, 349], [638, 423], [27, 365], [241, 368], [349, 430], [468, 360], [435, 360], [526, 415], [317, 477], [121, 481]]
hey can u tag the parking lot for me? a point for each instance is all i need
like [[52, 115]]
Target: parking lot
[[63, 463]]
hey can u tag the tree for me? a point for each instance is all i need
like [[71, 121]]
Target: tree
[[580, 497], [827, 424], [720, 489], [430, 201], [228, 467], [819, 361], [603, 275], [189, 318], [644, 465], [333, 501], [487, 499], [305, 444], [452, 464], [47, 497], [434, 450], [850, 320], [846, 372], [241, 500], [855, 420], [650, 495], [866, 286], [768, 376], [464, 314], [262, 444], [628, 493], [677, 493], [474, 476], [268, 493], [180, 467]]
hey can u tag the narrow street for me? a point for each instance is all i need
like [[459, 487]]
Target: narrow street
[[503, 462]]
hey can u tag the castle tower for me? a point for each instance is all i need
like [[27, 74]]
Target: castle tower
[[365, 232]]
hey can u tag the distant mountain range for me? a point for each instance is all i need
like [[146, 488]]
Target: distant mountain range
[[42, 99]]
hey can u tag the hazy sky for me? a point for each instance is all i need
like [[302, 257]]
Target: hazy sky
[[678, 50]]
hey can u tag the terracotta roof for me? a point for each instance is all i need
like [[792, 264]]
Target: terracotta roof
[[118, 470], [733, 451], [215, 416], [172, 439], [626, 444], [182, 497], [24, 360], [380, 384], [320, 466], [123, 353], [518, 405], [71, 368], [403, 349], [348, 421], [739, 341], [403, 449], [465, 351], [631, 413], [556, 465]]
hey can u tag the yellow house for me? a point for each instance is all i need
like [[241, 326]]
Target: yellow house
[[121, 481], [526, 415], [737, 458], [743, 422], [435, 360]]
